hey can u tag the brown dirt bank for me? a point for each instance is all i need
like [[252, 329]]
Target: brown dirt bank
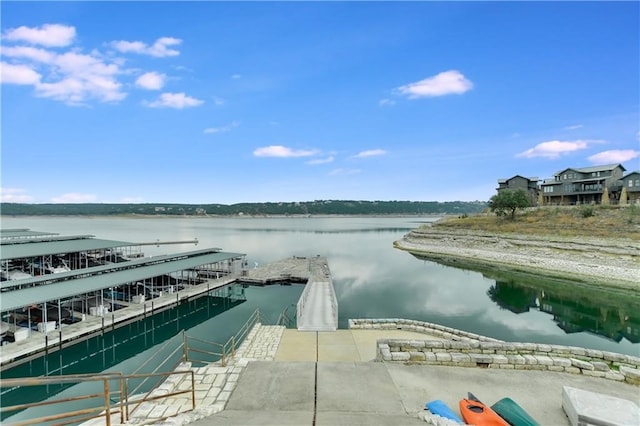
[[601, 262]]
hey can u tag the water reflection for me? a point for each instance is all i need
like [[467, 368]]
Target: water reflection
[[607, 314], [614, 315]]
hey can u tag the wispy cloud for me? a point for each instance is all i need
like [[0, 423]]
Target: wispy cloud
[[317, 161], [614, 156], [74, 197], [159, 49], [554, 149], [386, 102], [370, 153], [174, 100], [222, 129], [18, 74], [14, 195], [573, 127], [236, 76], [218, 101], [151, 81], [450, 82], [131, 200], [339, 172], [50, 35], [283, 152]]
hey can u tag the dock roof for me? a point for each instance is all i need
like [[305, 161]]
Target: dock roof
[[21, 233], [48, 245], [69, 284]]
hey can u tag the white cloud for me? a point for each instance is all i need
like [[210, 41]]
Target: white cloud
[[554, 149], [218, 101], [574, 127], [151, 81], [386, 102], [31, 53], [222, 129], [614, 156], [159, 49], [236, 76], [445, 83], [326, 160], [70, 77], [18, 74], [282, 152], [50, 35], [74, 197], [14, 195], [370, 153], [174, 100]]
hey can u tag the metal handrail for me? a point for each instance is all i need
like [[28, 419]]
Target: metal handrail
[[105, 409], [226, 350]]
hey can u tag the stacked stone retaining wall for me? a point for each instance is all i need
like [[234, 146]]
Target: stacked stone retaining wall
[[419, 327], [464, 349]]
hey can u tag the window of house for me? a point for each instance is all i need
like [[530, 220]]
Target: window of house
[[630, 183], [637, 182]]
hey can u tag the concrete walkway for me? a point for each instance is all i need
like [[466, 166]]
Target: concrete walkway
[[287, 377]]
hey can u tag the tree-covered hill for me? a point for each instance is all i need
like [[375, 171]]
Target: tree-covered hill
[[306, 208]]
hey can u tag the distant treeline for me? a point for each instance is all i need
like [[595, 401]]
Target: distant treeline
[[319, 207]]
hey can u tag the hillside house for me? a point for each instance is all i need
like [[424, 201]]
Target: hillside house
[[631, 183], [528, 185], [586, 185]]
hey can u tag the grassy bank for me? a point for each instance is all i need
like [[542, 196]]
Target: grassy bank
[[569, 221]]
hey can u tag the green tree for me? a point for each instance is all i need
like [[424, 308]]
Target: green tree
[[508, 202]]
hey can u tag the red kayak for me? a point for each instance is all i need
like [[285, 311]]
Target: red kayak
[[476, 413]]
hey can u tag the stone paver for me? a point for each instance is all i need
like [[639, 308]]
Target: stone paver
[[213, 384]]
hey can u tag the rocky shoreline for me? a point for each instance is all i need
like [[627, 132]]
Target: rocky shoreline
[[614, 263]]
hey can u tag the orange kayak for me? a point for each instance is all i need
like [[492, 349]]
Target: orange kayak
[[476, 413]]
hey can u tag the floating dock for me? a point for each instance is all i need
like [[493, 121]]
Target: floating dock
[[317, 307]]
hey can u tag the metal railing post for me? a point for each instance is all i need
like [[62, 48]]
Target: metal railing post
[[107, 405], [185, 348], [233, 345]]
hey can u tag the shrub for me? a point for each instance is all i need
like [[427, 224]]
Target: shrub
[[587, 211]]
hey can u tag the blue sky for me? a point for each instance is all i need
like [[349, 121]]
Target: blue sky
[[227, 102]]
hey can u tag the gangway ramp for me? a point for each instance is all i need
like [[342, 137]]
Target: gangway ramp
[[317, 308]]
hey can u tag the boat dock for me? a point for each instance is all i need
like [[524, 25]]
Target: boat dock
[[317, 308], [310, 270]]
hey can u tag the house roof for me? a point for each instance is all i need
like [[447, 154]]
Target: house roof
[[603, 168], [635, 172], [505, 180]]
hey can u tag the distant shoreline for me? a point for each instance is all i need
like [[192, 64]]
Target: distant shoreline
[[292, 216]]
